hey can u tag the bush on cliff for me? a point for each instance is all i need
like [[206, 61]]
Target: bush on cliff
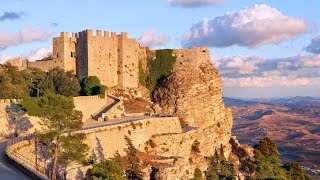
[[91, 86], [219, 167], [158, 68], [107, 170]]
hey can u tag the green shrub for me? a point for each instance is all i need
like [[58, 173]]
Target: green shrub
[[108, 170], [91, 86], [158, 68], [142, 76]]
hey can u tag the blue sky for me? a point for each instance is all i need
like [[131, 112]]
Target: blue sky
[[164, 24]]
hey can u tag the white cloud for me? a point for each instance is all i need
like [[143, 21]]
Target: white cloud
[[23, 36], [38, 54], [314, 46], [237, 64], [251, 71], [194, 3], [261, 82], [251, 27], [151, 38]]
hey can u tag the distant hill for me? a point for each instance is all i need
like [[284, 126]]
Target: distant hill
[[293, 101], [237, 102], [294, 123]]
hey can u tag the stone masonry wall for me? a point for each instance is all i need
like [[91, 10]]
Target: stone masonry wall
[[106, 141], [90, 105], [128, 62], [18, 62], [103, 57]]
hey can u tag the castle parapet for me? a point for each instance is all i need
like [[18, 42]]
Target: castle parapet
[[113, 34], [99, 33]]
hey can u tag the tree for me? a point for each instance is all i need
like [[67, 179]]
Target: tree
[[219, 167], [107, 170], [59, 119], [37, 81], [91, 86], [267, 160], [64, 83], [12, 83], [133, 169]]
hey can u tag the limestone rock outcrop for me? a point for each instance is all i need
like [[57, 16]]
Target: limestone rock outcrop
[[194, 93]]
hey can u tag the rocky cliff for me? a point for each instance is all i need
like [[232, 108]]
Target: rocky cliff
[[193, 92]]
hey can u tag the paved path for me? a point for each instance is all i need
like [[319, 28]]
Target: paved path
[[91, 124], [8, 172]]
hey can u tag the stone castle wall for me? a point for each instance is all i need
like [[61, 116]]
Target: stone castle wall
[[90, 105], [18, 62], [111, 138]]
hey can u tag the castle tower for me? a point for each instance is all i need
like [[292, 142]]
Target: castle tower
[[128, 56], [64, 51]]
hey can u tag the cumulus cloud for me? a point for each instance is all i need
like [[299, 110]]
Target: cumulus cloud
[[23, 36], [11, 16], [252, 71], [194, 3], [314, 46], [40, 53], [251, 27], [151, 39], [237, 64]]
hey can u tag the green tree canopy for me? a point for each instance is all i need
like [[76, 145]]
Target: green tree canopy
[[64, 83], [12, 83], [158, 68], [91, 86], [107, 170], [133, 168], [59, 120], [33, 82]]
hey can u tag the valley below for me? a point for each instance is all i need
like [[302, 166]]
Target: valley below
[[293, 123]]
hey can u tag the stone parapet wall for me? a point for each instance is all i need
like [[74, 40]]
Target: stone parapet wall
[[111, 138], [20, 152]]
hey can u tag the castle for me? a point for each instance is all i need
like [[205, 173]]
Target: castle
[[113, 58]]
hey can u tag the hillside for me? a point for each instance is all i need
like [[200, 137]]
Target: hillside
[[294, 123]]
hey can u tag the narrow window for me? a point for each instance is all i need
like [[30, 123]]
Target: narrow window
[[109, 55], [71, 54]]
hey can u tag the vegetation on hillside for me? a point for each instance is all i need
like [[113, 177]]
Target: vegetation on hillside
[[59, 119], [118, 168], [33, 82], [158, 68], [268, 165], [219, 167]]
